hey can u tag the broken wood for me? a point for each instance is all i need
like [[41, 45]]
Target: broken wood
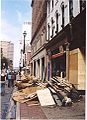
[[62, 95]]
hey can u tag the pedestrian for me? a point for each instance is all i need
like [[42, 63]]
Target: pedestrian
[[9, 79], [15, 75], [3, 79], [12, 79]]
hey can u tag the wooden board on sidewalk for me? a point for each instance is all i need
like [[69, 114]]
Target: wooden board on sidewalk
[[45, 97]]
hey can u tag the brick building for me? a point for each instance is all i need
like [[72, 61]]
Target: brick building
[[38, 53]]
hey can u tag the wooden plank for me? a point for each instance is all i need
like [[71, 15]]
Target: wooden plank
[[57, 100], [45, 97]]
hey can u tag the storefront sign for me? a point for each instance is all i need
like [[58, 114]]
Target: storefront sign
[[57, 55]]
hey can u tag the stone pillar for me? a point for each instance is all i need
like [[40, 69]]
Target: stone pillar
[[36, 69], [67, 61], [33, 68], [40, 68]]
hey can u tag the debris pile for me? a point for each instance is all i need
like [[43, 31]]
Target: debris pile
[[65, 91], [33, 91]]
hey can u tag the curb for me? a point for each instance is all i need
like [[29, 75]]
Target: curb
[[12, 106], [18, 111]]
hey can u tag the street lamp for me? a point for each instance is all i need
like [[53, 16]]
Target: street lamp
[[24, 34]]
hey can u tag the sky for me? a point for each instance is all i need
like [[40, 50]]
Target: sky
[[13, 14]]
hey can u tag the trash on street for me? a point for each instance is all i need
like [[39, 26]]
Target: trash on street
[[33, 91]]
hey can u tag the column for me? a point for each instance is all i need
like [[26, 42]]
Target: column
[[36, 71], [67, 61], [33, 68], [40, 68]]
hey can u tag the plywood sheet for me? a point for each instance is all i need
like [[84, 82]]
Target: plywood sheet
[[45, 97]]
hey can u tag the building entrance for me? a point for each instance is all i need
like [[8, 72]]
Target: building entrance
[[59, 66]]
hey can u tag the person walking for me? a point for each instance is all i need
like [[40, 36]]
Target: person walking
[[12, 79], [3, 80], [9, 79]]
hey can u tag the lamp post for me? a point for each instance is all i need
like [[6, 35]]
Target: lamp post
[[24, 34]]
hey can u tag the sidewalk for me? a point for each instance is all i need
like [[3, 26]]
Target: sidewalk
[[12, 108], [76, 111], [29, 112], [5, 102]]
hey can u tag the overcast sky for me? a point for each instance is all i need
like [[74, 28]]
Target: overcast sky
[[13, 14]]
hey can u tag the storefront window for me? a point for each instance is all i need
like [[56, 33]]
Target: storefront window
[[59, 66]]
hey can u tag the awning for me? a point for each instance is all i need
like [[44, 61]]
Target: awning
[[57, 55]]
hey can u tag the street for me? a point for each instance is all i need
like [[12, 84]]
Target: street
[[76, 111], [43, 59]]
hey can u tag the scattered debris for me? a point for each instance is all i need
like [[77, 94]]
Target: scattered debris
[[56, 91]]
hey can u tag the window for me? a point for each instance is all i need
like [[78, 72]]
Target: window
[[48, 32], [56, 22], [62, 7], [35, 47], [71, 9], [52, 22], [82, 4], [52, 4], [53, 31]]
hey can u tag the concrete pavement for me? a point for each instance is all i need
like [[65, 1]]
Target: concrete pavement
[[76, 111]]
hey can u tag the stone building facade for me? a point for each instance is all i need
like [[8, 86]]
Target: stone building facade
[[66, 40]]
